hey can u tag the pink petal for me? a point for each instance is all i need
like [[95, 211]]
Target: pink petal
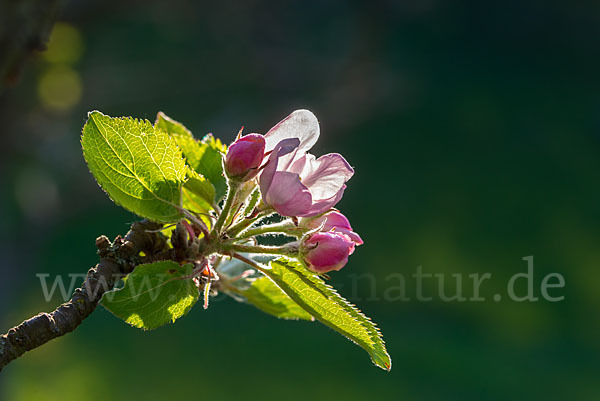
[[327, 268], [351, 234], [331, 220], [283, 148], [324, 205], [326, 175], [301, 124], [244, 155], [336, 219], [288, 195], [334, 222], [329, 251]]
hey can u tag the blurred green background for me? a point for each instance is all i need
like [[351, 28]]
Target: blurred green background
[[474, 130]]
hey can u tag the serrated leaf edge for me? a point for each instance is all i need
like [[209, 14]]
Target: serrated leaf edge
[[373, 331]]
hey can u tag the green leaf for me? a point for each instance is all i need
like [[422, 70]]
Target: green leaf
[[140, 167], [205, 156], [269, 298], [153, 295], [198, 193], [171, 126], [266, 296], [326, 305], [208, 161]]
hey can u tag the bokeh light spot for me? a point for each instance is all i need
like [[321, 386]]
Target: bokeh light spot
[[65, 44], [60, 89]]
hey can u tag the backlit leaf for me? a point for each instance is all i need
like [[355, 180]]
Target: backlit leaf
[[153, 295], [140, 167], [321, 301]]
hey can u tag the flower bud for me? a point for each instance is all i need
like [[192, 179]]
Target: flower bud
[[244, 157], [326, 251], [332, 221]]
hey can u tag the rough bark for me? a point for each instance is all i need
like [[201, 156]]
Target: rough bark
[[116, 260]]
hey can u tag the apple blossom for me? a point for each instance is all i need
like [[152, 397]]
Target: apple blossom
[[294, 182]]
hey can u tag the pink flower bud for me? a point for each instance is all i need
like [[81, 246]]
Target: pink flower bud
[[326, 251], [245, 156], [332, 221]]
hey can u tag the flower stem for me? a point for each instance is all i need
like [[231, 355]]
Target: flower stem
[[287, 250], [229, 201], [241, 226], [196, 221], [286, 227]]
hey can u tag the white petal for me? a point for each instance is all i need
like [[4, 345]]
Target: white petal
[[301, 124]]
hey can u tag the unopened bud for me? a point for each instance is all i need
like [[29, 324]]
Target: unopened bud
[[244, 157]]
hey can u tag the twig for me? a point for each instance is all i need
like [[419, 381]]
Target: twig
[[116, 260]]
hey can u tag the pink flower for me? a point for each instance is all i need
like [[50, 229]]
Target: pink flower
[[245, 156], [332, 221], [326, 251], [294, 182]]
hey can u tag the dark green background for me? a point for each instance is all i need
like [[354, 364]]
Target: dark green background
[[474, 131]]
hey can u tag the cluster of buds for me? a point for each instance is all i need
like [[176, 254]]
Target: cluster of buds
[[295, 184]]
